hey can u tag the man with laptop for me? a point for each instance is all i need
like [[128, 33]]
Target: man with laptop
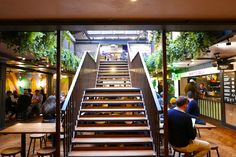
[[181, 131]]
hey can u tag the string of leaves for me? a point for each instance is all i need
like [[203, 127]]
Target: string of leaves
[[41, 45]]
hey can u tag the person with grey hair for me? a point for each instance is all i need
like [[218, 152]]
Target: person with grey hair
[[49, 109], [182, 132]]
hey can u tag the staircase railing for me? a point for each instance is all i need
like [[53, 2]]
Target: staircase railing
[[140, 78], [85, 77]]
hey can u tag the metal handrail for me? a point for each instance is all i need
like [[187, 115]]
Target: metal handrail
[[84, 78]]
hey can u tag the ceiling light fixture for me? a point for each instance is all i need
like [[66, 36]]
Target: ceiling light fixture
[[133, 0]]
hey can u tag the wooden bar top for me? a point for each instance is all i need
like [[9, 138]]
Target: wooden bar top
[[30, 128]]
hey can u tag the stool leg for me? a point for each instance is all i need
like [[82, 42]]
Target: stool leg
[[41, 140], [29, 147], [34, 145], [218, 154]]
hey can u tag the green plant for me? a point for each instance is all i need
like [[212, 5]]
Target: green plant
[[186, 45], [42, 45]]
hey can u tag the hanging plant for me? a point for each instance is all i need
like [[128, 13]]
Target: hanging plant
[[186, 45], [69, 60], [42, 45]]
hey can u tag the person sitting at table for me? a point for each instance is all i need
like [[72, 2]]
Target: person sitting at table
[[172, 102], [181, 131], [49, 109], [193, 108], [24, 102]]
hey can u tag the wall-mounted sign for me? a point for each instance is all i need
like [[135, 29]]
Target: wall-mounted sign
[[229, 88], [225, 67]]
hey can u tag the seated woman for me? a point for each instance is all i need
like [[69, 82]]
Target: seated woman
[[49, 109]]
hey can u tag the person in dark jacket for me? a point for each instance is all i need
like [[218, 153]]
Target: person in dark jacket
[[181, 131], [193, 108], [191, 86], [49, 109], [24, 102]]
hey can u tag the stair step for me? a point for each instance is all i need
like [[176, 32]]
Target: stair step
[[113, 153], [113, 148], [112, 102], [113, 83], [113, 74], [114, 90], [111, 118], [114, 67], [111, 140], [113, 63], [113, 77], [112, 109], [113, 94], [111, 71], [121, 128], [111, 80]]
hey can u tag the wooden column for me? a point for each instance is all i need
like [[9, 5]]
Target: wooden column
[[164, 75], [49, 84], [2, 94], [58, 92]]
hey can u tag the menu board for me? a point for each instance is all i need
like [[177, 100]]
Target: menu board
[[229, 88]]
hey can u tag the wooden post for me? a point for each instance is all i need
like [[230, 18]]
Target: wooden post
[[164, 75], [58, 93], [2, 94]]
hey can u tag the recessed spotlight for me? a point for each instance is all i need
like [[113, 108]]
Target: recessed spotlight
[[133, 0], [23, 58]]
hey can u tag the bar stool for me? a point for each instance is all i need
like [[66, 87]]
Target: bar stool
[[12, 151], [33, 138], [213, 147], [46, 151], [186, 154]]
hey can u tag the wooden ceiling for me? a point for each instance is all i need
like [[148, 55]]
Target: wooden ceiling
[[66, 14]]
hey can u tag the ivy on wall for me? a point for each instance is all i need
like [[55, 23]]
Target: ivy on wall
[[42, 45]]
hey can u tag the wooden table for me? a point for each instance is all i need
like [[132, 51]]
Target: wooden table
[[29, 128], [207, 126], [200, 126]]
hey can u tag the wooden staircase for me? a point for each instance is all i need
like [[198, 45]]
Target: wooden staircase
[[113, 74], [112, 120]]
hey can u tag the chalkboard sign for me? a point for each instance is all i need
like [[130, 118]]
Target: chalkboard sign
[[229, 88]]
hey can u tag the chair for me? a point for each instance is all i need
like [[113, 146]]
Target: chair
[[33, 138], [213, 147], [46, 151], [12, 151], [186, 154]]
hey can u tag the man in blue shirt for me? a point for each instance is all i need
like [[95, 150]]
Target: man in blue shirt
[[181, 132], [193, 108]]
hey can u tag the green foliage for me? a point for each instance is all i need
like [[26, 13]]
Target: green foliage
[[154, 83], [154, 61], [42, 45], [154, 37], [69, 59], [187, 45]]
